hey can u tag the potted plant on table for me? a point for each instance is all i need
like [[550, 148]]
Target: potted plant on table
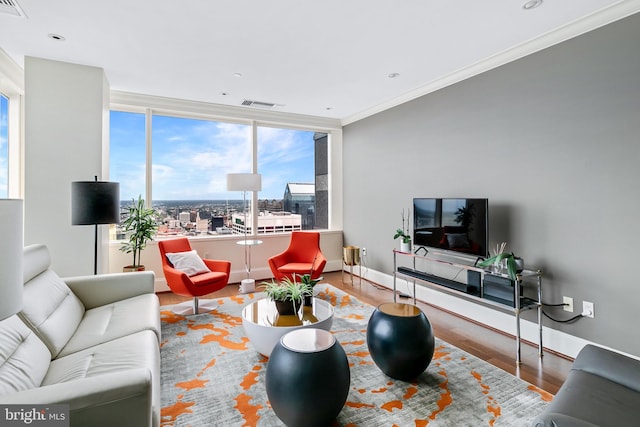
[[287, 294], [405, 243], [307, 280], [501, 258], [141, 226]]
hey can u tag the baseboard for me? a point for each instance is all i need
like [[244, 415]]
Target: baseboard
[[553, 340]]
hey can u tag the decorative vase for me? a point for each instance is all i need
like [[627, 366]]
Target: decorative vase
[[519, 264], [405, 247]]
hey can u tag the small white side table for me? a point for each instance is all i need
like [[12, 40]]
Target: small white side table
[[248, 284]]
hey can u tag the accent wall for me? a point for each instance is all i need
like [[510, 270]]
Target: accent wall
[[553, 141]]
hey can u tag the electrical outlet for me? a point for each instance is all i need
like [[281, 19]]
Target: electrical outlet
[[568, 301], [587, 309], [364, 252]]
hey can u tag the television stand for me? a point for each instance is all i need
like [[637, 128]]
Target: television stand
[[487, 287]]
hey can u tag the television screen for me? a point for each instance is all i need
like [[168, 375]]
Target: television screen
[[458, 225]]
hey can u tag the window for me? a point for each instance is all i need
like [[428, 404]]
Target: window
[[4, 147], [128, 154], [190, 158], [289, 163]]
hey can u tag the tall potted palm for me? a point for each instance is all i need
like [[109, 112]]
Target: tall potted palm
[[141, 226]]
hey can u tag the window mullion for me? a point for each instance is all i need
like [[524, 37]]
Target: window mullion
[[254, 169], [149, 158]]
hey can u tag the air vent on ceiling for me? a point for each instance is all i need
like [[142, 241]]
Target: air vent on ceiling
[[11, 7], [258, 104]]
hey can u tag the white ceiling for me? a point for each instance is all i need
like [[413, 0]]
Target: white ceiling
[[328, 58]]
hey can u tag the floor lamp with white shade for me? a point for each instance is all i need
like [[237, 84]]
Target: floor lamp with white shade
[[245, 182]]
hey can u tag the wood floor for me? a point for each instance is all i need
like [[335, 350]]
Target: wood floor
[[548, 372]]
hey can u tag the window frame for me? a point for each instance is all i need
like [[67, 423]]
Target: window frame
[[15, 146], [151, 106]]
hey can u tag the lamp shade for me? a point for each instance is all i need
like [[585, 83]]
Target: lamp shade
[[11, 254], [95, 202], [244, 182]]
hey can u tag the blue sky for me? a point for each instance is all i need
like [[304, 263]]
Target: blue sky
[[192, 157], [4, 151]]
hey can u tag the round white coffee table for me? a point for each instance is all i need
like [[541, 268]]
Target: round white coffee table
[[264, 326]]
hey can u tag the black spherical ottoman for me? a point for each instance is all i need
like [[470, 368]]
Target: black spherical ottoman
[[400, 340], [307, 378]]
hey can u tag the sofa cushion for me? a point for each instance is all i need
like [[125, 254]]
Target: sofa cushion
[[295, 267], [600, 390], [593, 399], [615, 367], [36, 260], [139, 350], [24, 359], [113, 321], [51, 309]]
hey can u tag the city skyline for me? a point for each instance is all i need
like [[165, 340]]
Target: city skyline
[[191, 157]]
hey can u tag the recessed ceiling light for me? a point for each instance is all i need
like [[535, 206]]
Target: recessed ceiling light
[[328, 108], [237, 74], [393, 75], [224, 93], [56, 37], [531, 4]]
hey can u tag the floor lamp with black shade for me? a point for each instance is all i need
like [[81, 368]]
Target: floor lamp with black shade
[[92, 203]]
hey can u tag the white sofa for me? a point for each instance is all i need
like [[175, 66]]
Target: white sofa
[[91, 342]]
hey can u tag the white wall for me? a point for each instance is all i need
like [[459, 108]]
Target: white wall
[[552, 141], [64, 122]]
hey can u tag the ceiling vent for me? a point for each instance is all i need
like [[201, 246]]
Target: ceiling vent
[[11, 7], [256, 104]]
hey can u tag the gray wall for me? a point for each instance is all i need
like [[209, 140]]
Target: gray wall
[[553, 140]]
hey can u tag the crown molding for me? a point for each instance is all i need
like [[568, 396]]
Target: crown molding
[[573, 29], [139, 102]]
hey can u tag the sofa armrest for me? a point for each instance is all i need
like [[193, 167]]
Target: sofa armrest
[[115, 399], [554, 419], [608, 364], [95, 291]]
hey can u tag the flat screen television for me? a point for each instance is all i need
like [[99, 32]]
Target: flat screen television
[[448, 224]]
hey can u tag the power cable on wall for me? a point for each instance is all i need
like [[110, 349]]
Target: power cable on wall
[[570, 320]]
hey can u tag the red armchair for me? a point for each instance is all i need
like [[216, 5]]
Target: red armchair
[[197, 284], [303, 256]]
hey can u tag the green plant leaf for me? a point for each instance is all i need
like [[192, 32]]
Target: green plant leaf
[[511, 263]]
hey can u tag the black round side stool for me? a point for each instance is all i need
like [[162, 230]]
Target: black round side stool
[[400, 340], [307, 378]]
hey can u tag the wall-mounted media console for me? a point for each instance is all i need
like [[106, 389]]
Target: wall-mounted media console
[[489, 287]]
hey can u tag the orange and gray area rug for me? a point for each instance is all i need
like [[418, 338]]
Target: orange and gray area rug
[[212, 376]]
